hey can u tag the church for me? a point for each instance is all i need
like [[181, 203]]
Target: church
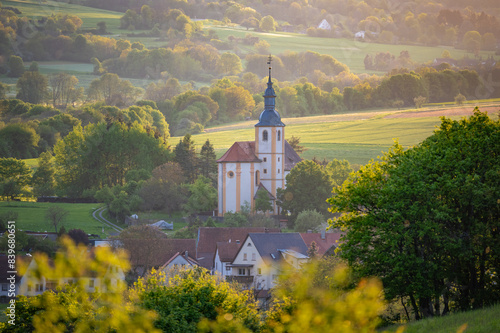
[[249, 166]]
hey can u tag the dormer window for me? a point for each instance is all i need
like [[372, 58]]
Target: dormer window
[[264, 135]]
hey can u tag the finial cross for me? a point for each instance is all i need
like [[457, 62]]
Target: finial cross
[[269, 59]]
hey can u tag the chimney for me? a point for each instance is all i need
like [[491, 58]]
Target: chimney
[[323, 234], [186, 254]]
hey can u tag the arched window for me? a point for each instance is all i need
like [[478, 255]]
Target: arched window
[[257, 177], [264, 135], [279, 135]]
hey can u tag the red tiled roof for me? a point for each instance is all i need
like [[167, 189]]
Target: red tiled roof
[[227, 251], [209, 237], [240, 152], [166, 249], [323, 245]]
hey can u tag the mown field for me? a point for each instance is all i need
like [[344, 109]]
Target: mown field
[[31, 216], [479, 321], [357, 137]]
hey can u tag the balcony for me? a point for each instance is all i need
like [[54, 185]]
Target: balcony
[[243, 279]]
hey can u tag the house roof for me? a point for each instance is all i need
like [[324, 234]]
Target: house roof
[[262, 187], [291, 157], [323, 245], [191, 261], [271, 245], [165, 250], [209, 237], [240, 152], [227, 251], [245, 152], [4, 267]]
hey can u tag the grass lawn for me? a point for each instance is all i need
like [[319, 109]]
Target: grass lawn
[[478, 321], [31, 217]]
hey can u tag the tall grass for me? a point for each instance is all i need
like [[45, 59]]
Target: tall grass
[[478, 321]]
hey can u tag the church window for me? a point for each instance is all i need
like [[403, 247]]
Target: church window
[[278, 170], [265, 170], [257, 177], [265, 159], [264, 136], [230, 174], [279, 135], [279, 158]]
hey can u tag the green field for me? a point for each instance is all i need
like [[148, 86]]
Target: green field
[[90, 16], [357, 137], [347, 51], [478, 321], [31, 217]]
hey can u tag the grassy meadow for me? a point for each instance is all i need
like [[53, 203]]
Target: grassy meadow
[[357, 137], [31, 216], [90, 16], [479, 321]]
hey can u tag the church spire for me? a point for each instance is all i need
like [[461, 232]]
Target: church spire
[[269, 117], [269, 95]]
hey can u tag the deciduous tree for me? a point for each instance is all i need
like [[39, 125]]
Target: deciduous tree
[[425, 219], [15, 176]]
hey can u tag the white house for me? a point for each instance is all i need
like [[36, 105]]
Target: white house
[[179, 260], [261, 258], [260, 164], [325, 25]]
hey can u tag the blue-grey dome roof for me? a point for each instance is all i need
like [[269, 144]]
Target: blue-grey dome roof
[[270, 118]]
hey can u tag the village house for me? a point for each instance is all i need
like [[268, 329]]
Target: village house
[[262, 256], [30, 285], [208, 239]]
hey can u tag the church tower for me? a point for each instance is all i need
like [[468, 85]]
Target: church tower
[[270, 145], [250, 166]]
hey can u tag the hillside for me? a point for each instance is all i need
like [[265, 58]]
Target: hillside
[[478, 321], [355, 136]]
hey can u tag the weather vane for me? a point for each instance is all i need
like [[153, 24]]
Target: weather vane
[[269, 59]]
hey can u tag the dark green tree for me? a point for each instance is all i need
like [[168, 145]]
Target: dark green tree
[[43, 180], [15, 177], [207, 162], [16, 66], [426, 220], [202, 196], [307, 187], [309, 220], [32, 87], [18, 140], [56, 216], [263, 201], [185, 155]]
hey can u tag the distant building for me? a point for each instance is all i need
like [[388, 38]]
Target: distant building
[[260, 164], [325, 25]]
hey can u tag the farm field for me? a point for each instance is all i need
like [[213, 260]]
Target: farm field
[[347, 51], [357, 137], [31, 217], [90, 16]]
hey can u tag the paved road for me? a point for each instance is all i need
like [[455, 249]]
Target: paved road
[[97, 214]]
